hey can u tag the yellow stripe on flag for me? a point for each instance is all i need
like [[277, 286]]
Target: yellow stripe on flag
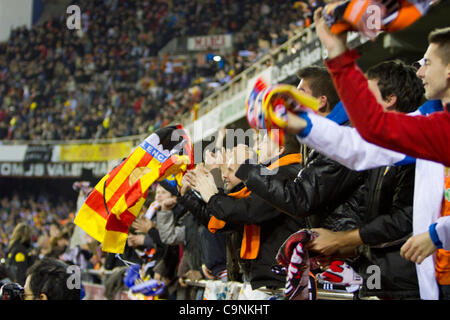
[[119, 207], [148, 179], [124, 172], [91, 222], [136, 209], [99, 185], [140, 187], [114, 241]]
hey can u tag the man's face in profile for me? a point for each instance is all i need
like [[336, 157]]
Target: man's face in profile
[[434, 74]]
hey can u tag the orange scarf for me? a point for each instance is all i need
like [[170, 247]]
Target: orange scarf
[[251, 237], [442, 264]]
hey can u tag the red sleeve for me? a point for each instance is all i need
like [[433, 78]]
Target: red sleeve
[[424, 137]]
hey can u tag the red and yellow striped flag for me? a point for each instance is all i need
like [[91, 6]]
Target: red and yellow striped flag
[[118, 198]]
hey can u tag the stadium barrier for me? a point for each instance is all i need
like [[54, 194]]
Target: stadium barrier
[[214, 290]]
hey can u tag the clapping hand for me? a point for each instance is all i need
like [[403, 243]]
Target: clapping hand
[[203, 182], [142, 225], [213, 160], [136, 240], [169, 203]]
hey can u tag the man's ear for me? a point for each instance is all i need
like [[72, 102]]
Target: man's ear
[[391, 102], [43, 296], [323, 104]]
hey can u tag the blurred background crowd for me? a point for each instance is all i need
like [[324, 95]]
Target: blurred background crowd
[[109, 80]]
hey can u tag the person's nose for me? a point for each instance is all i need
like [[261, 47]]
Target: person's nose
[[421, 72]]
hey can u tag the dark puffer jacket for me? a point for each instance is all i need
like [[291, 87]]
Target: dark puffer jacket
[[318, 192], [387, 225]]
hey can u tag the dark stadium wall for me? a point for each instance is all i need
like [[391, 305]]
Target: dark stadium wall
[[38, 9], [57, 189]]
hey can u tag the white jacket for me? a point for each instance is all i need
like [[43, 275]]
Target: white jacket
[[345, 145]]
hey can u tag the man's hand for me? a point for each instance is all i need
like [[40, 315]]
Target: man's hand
[[185, 186], [418, 247], [208, 274], [240, 154], [168, 204], [326, 243], [136, 240], [204, 183], [213, 160], [142, 225], [295, 124], [335, 44]]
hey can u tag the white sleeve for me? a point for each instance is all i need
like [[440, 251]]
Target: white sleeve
[[443, 231], [344, 145]]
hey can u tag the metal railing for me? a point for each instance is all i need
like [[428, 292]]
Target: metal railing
[[321, 293]]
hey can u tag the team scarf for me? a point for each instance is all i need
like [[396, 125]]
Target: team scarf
[[295, 263], [154, 206], [117, 199], [252, 233], [361, 15], [267, 106]]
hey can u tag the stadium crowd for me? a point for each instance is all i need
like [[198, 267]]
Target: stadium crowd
[[326, 206], [107, 79]]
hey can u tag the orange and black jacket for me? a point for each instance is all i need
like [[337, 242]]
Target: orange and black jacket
[[239, 212]]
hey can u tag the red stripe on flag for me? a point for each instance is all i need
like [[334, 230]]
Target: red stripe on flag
[[133, 194], [114, 224], [127, 218], [114, 171], [95, 202], [166, 165], [145, 160]]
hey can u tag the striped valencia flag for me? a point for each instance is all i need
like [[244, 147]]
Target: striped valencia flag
[[117, 199]]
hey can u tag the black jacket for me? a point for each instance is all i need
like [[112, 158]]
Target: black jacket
[[193, 202], [319, 189], [275, 226], [19, 259], [387, 225]]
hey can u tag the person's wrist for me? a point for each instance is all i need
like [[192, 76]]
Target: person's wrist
[[336, 51], [349, 238], [434, 236], [207, 195], [296, 124]]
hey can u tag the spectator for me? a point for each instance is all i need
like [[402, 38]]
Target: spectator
[[388, 195], [251, 214], [18, 252], [47, 279], [428, 176], [323, 187]]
